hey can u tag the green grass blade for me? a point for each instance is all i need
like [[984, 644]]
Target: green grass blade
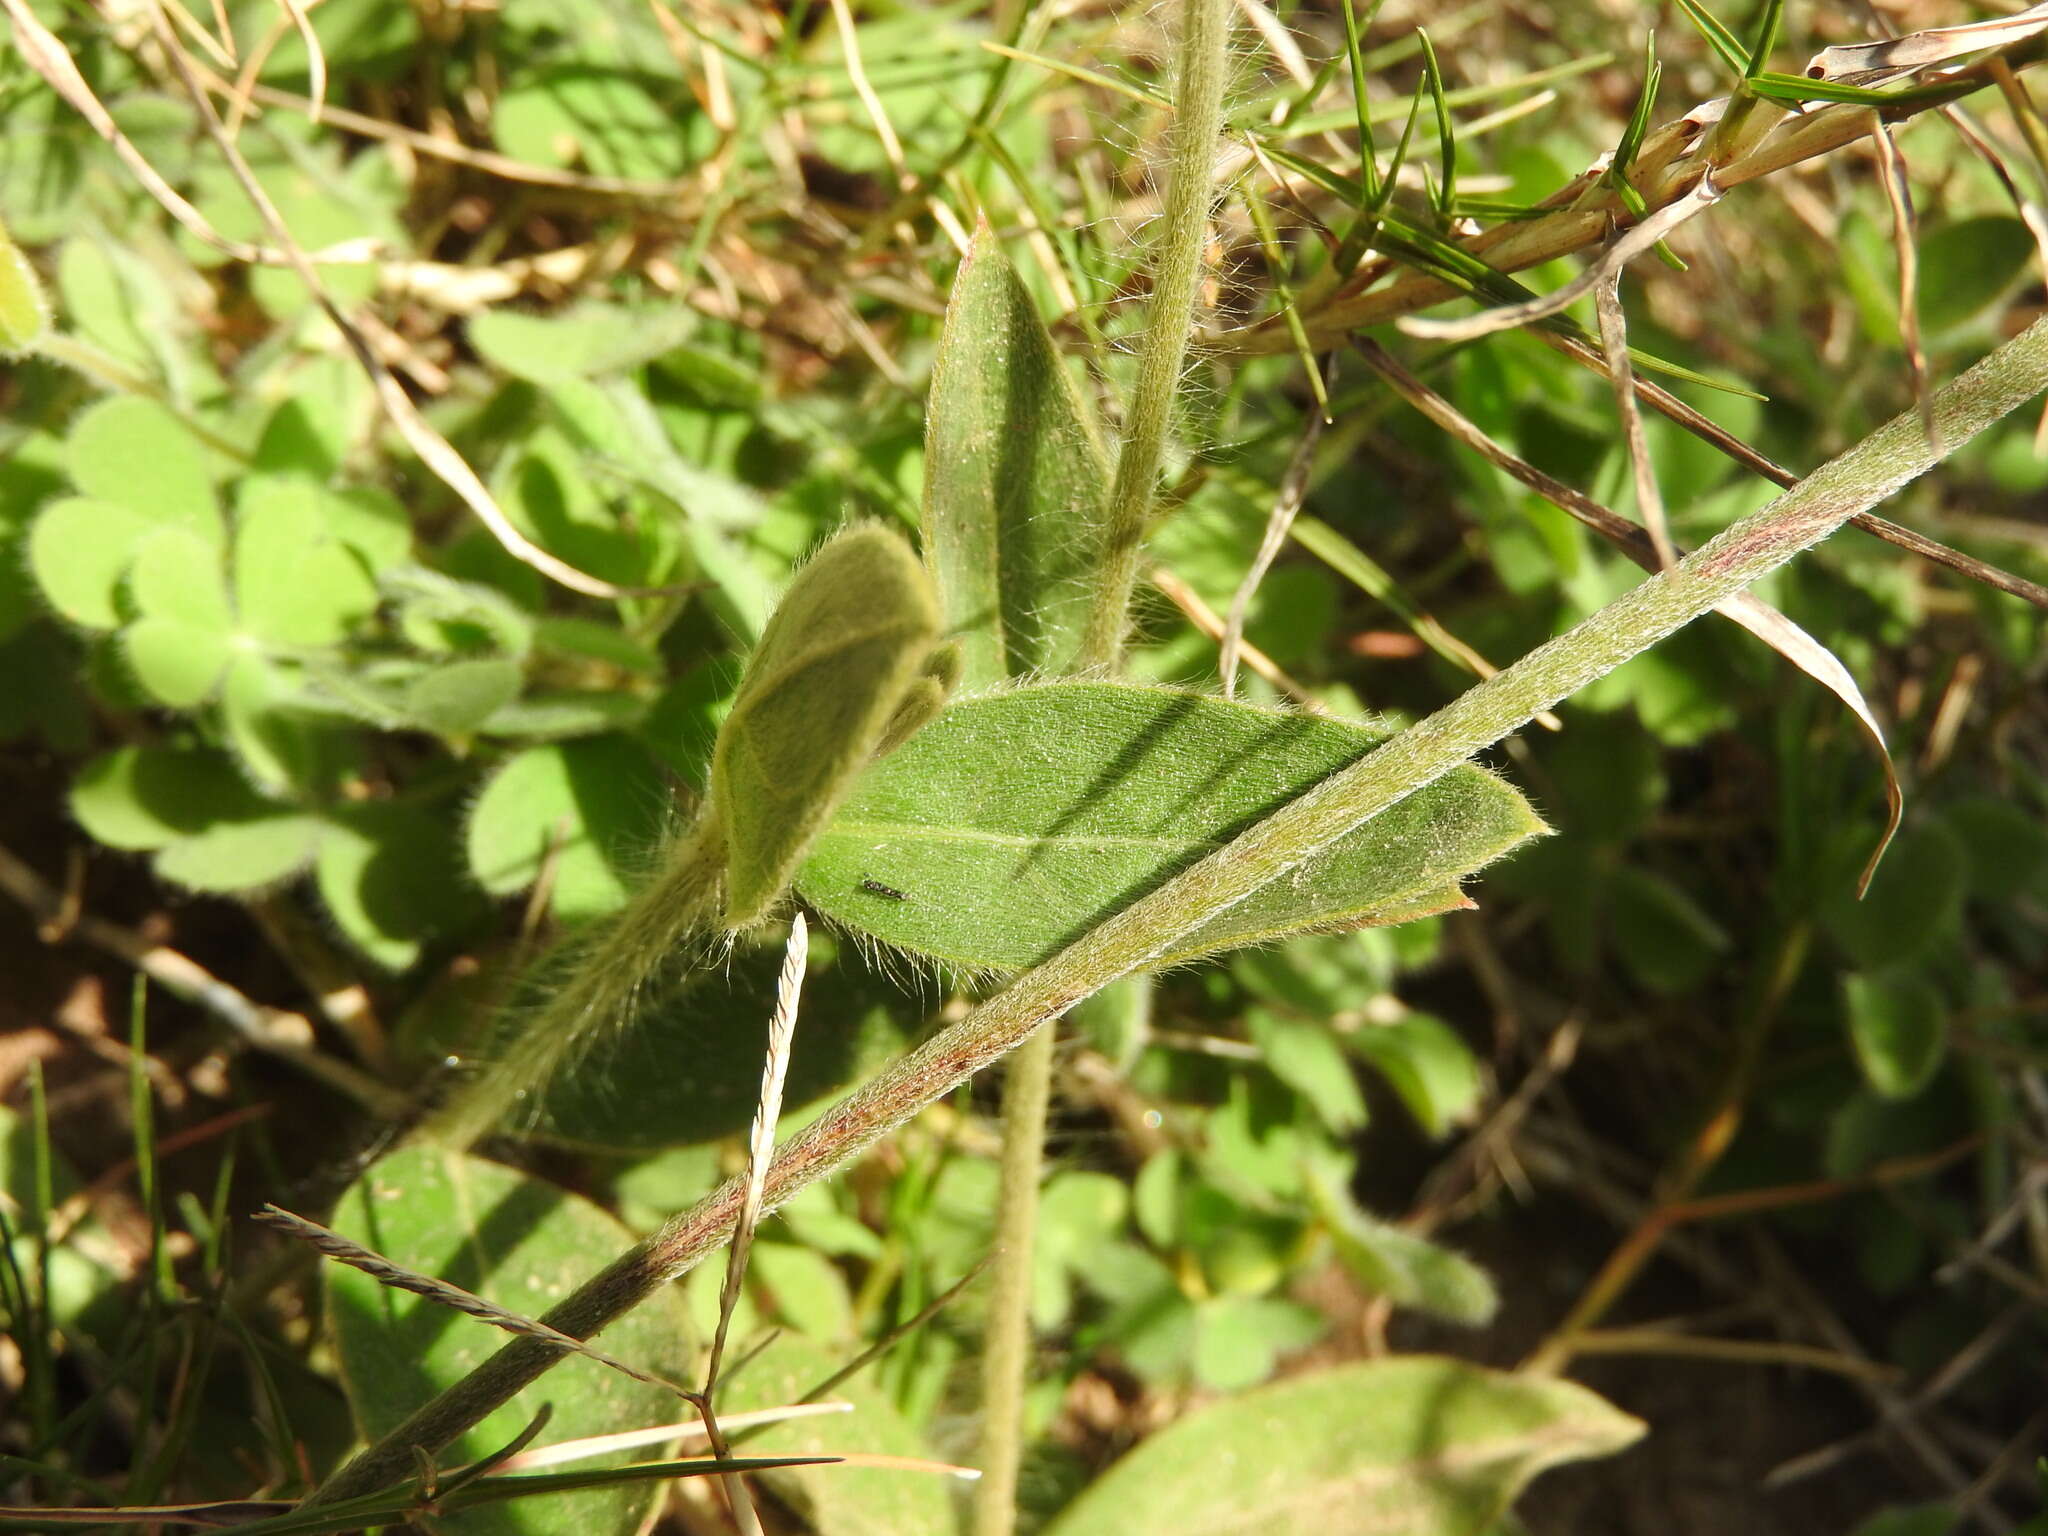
[[1446, 134], [1718, 37]]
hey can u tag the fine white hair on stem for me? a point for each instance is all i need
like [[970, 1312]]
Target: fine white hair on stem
[[760, 1152]]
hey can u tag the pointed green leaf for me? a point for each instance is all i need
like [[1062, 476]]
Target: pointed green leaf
[[133, 451], [838, 654], [1014, 480], [79, 550], [1414, 1446], [457, 698], [1407, 1270], [1899, 1027], [1013, 824], [524, 1244]]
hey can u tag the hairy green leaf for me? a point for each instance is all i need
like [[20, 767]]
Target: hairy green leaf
[[522, 1243], [459, 696], [1413, 1446], [1015, 480], [687, 1068], [133, 451], [1407, 1270], [296, 582], [392, 879], [1014, 823], [177, 663], [23, 311], [842, 1500], [150, 797], [1426, 1063], [838, 654], [78, 550], [243, 854]]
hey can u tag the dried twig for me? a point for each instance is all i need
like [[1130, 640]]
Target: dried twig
[[1293, 490], [274, 1031]]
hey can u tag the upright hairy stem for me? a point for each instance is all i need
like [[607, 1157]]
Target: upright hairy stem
[[1027, 1089], [609, 978], [1006, 1344], [1803, 516], [1169, 317]]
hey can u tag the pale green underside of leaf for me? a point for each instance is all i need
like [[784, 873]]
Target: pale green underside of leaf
[[1014, 823], [522, 1243], [1014, 480], [838, 654], [1414, 1446]]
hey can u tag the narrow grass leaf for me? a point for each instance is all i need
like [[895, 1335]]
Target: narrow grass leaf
[[1766, 42], [1719, 38], [1013, 823], [1414, 1446]]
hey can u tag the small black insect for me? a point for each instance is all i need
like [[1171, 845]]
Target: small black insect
[[876, 888]]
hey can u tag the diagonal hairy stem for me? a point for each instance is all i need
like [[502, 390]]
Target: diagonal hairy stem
[[1874, 469]]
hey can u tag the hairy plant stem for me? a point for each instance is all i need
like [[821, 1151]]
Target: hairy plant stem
[[1200, 69], [1006, 1340], [1866, 474], [1169, 315], [609, 979]]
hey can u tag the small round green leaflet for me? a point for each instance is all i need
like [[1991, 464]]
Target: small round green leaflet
[[1898, 1024], [78, 550], [586, 807], [1413, 1446], [135, 452], [846, 642], [519, 1242], [1016, 822], [145, 798]]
